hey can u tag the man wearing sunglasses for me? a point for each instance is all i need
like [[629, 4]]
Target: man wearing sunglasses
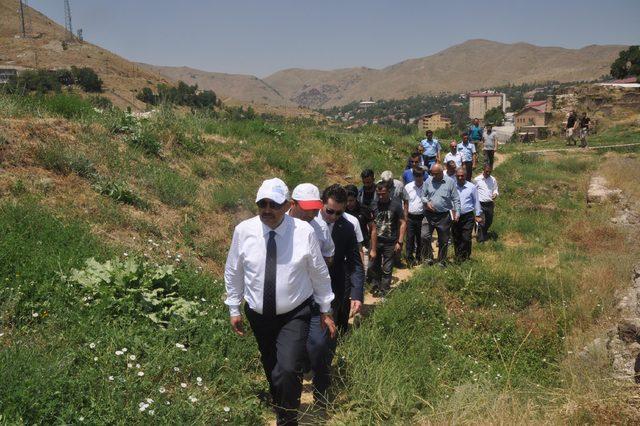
[[347, 283], [275, 266]]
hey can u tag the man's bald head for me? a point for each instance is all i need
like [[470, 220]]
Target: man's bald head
[[436, 172]]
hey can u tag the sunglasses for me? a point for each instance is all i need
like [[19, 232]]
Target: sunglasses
[[263, 204], [333, 212]]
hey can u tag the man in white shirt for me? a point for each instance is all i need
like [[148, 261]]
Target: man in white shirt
[[487, 193], [305, 205], [490, 145], [413, 215], [453, 154], [275, 266]]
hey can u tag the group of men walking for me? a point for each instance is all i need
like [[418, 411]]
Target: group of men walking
[[300, 265]]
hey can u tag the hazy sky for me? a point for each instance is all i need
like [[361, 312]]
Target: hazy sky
[[262, 36]]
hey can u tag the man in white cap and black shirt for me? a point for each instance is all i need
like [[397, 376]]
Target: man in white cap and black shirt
[[275, 265], [305, 205]]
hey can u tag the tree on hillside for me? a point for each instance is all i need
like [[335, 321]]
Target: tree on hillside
[[494, 116], [627, 64], [87, 78], [517, 102]]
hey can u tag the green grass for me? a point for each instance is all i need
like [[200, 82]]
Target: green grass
[[51, 372], [499, 323]]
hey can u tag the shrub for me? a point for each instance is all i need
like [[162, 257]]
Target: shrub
[[101, 102], [193, 144], [120, 192], [69, 106], [146, 140], [133, 288], [87, 79]]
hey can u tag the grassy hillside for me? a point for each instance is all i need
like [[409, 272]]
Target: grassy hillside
[[115, 230]]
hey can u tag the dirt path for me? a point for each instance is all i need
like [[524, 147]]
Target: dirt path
[[542, 151]]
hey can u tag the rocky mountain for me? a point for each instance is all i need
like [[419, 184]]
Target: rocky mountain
[[239, 87], [468, 66], [46, 47]]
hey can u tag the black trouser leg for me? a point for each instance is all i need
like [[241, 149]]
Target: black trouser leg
[[468, 166], [441, 222], [487, 213], [386, 255], [443, 225], [462, 230], [413, 250], [427, 235], [488, 157], [282, 341]]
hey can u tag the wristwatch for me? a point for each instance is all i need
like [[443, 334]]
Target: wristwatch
[[329, 312]]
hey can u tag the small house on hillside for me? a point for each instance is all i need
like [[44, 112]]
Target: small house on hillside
[[7, 74], [432, 121], [533, 114]]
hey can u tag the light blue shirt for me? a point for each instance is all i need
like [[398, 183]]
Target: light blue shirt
[[442, 195], [469, 200], [431, 147], [467, 151]]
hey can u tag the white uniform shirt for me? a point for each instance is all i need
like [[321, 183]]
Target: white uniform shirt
[[413, 195], [356, 226], [323, 233], [457, 157], [301, 271], [486, 188]]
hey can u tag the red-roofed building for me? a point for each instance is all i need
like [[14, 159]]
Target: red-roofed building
[[535, 113]]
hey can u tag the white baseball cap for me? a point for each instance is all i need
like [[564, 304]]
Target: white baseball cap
[[273, 189], [307, 195], [386, 175]]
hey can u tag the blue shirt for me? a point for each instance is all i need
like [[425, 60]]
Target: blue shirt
[[407, 176], [469, 200], [467, 151], [475, 133], [431, 147], [442, 195]]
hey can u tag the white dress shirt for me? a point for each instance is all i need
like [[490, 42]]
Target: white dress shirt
[[457, 157], [486, 188], [323, 233], [301, 271], [356, 226], [413, 195]]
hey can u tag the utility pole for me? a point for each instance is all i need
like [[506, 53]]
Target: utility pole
[[67, 20], [22, 27]]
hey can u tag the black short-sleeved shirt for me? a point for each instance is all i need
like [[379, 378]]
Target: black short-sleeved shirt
[[584, 122], [387, 218], [571, 121], [365, 217]]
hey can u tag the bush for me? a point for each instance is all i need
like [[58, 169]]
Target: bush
[[120, 192], [182, 94], [146, 140], [69, 106], [101, 102], [133, 288], [87, 79]]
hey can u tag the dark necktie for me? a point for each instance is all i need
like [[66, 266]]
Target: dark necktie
[[269, 300]]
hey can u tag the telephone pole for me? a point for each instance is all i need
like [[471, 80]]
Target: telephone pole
[[67, 20], [22, 26]]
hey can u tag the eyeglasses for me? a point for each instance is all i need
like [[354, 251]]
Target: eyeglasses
[[263, 204], [333, 212]]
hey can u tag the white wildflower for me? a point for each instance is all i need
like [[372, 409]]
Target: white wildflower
[[168, 402], [150, 401], [110, 378], [193, 399], [81, 419], [92, 345], [124, 350], [151, 412], [140, 373], [129, 365], [183, 385], [138, 366], [35, 315], [226, 409], [179, 346], [125, 254], [132, 357], [95, 358], [176, 369], [162, 390], [118, 353]]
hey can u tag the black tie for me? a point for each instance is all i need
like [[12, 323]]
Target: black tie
[[269, 301]]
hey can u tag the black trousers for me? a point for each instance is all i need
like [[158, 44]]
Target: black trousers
[[462, 230], [441, 222], [382, 266], [488, 156], [468, 166], [483, 228], [282, 341], [413, 249]]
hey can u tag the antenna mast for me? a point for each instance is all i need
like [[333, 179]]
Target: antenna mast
[[67, 20], [22, 27]]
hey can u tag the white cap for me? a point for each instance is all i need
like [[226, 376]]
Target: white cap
[[386, 175], [273, 189], [308, 196]]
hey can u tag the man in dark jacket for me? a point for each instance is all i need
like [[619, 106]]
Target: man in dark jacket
[[347, 280]]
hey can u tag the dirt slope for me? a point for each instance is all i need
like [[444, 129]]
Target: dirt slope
[[471, 65], [44, 49]]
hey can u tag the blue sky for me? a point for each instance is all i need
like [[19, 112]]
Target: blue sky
[[262, 36]]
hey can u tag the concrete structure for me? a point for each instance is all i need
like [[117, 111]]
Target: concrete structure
[[481, 102], [433, 122], [6, 74], [366, 104]]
